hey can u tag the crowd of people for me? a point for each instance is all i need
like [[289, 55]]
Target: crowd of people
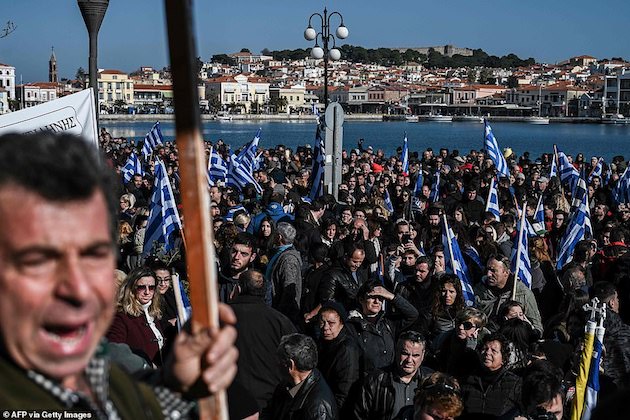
[[347, 306]]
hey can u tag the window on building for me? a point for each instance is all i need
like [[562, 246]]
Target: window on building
[[114, 77]]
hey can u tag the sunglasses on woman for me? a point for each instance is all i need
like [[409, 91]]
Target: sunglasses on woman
[[146, 287], [468, 325]]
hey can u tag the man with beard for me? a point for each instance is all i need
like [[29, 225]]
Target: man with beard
[[419, 292], [242, 255]]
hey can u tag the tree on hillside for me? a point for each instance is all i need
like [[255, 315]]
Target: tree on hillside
[[80, 74], [245, 50], [223, 59]]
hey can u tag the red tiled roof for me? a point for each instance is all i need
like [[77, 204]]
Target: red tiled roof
[[111, 71]]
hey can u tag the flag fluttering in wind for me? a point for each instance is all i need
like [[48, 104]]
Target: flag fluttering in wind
[[132, 167], [317, 172], [405, 157], [597, 170], [554, 167], [152, 140], [454, 262], [579, 225], [492, 147], [621, 191], [568, 174], [241, 167], [492, 204], [163, 215], [388, 201], [417, 188], [520, 263], [217, 168]]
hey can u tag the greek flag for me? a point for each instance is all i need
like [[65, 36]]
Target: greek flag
[[132, 167], [579, 226], [163, 217], [568, 174], [554, 168], [539, 218], [621, 191], [405, 157], [317, 172], [435, 188], [241, 168], [494, 152], [520, 262], [454, 262], [492, 205], [217, 168], [417, 189], [597, 170], [592, 385], [152, 140], [388, 201]]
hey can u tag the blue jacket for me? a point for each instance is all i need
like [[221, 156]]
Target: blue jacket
[[273, 210]]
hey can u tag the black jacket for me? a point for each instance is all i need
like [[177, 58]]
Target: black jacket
[[260, 329], [492, 394], [378, 339], [342, 364], [338, 284], [313, 401], [377, 394]]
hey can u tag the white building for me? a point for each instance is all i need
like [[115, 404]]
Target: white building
[[7, 79], [31, 94]]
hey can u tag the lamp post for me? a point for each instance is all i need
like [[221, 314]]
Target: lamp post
[[317, 52], [93, 12]]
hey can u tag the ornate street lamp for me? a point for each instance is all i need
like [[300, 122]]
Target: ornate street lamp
[[93, 12], [317, 52]]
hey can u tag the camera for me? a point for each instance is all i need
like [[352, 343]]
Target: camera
[[406, 238]]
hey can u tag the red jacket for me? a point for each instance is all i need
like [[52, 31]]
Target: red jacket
[[136, 333]]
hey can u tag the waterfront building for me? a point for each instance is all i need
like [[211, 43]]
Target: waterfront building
[[114, 88], [239, 92], [31, 94], [293, 95], [4, 101], [555, 100], [7, 79], [471, 93], [617, 93], [152, 97]]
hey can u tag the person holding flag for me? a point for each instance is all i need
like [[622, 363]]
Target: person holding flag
[[499, 286]]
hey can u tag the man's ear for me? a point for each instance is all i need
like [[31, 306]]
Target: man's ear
[[292, 364]]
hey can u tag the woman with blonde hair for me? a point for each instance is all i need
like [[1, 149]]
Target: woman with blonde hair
[[138, 312]]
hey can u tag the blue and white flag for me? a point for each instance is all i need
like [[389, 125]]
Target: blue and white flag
[[578, 228], [580, 196], [492, 204], [132, 167], [454, 262], [592, 385], [554, 168], [388, 201], [435, 188], [241, 167], [597, 170], [152, 140], [520, 262], [492, 147], [163, 215], [539, 215], [405, 157], [568, 174], [621, 191], [417, 188], [317, 172], [217, 168]]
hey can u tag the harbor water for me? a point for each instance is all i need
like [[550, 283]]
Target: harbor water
[[591, 139]]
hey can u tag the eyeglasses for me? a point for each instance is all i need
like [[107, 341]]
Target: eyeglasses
[[163, 280], [145, 287], [379, 298], [468, 325]]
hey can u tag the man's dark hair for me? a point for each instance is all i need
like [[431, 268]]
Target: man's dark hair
[[367, 288], [505, 345], [541, 384], [617, 235], [604, 291], [581, 250], [301, 349], [253, 283], [247, 239], [319, 253], [413, 336], [318, 204], [277, 197], [58, 167], [425, 260]]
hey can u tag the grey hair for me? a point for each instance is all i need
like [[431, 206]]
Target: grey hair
[[287, 231]]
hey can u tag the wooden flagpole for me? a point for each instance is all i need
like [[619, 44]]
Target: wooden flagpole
[[200, 256]]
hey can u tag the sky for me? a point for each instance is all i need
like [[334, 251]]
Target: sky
[[133, 31]]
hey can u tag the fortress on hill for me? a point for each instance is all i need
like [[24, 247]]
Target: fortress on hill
[[447, 50]]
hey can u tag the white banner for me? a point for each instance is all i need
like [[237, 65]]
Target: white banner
[[73, 114]]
